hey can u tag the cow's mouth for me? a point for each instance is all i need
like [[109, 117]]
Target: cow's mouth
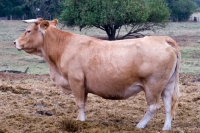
[[30, 50], [16, 47]]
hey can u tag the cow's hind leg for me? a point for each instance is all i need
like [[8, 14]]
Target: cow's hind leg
[[167, 100], [152, 97], [80, 97]]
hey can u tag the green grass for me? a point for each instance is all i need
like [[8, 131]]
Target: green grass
[[187, 35], [190, 52], [190, 60], [11, 30], [12, 59], [180, 29]]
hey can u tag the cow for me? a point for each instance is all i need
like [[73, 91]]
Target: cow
[[114, 70]]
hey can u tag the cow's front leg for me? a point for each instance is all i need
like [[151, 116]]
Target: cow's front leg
[[81, 108], [80, 95]]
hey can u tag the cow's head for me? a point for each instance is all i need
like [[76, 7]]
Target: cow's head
[[31, 40]]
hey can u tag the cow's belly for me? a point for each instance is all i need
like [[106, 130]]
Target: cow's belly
[[133, 90], [117, 93]]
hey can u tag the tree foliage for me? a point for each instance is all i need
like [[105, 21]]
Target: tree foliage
[[30, 8], [111, 15], [198, 2], [45, 8], [181, 10], [108, 15]]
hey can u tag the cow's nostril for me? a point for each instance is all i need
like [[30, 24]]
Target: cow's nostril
[[14, 42]]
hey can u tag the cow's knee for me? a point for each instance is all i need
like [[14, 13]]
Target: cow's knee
[[153, 108]]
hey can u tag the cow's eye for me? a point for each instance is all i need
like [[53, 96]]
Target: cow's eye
[[28, 31]]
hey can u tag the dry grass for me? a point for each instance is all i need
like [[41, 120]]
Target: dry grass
[[23, 98]]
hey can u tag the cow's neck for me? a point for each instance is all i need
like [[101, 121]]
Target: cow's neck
[[55, 42]]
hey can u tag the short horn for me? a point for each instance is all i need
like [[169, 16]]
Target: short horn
[[30, 21]]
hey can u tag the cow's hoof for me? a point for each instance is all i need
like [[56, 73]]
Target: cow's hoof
[[140, 126], [80, 119], [166, 128]]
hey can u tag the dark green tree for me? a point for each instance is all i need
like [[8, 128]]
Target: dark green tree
[[1, 4], [6, 7], [198, 2], [111, 15], [30, 8], [46, 9], [181, 10]]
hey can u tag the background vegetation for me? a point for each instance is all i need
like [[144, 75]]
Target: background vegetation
[[187, 34], [107, 15], [25, 9], [182, 9], [53, 8], [111, 15]]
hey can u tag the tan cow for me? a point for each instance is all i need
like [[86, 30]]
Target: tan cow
[[110, 69]]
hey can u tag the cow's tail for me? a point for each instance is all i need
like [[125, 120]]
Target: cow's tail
[[176, 93]]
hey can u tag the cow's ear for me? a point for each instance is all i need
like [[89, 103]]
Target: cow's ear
[[54, 22], [44, 24]]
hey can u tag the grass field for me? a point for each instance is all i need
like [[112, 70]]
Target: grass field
[[187, 34]]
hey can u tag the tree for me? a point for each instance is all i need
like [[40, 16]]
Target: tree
[[47, 9], [111, 15], [1, 4], [198, 2], [30, 9], [181, 10]]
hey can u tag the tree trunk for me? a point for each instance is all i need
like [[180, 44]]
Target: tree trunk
[[111, 31]]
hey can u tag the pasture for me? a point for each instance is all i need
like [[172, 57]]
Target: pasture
[[32, 103]]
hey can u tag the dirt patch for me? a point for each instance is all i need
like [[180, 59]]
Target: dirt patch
[[16, 90], [32, 103]]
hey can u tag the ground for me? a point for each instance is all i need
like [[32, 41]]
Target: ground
[[31, 103]]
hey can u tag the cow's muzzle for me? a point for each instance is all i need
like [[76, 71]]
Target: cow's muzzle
[[16, 44]]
